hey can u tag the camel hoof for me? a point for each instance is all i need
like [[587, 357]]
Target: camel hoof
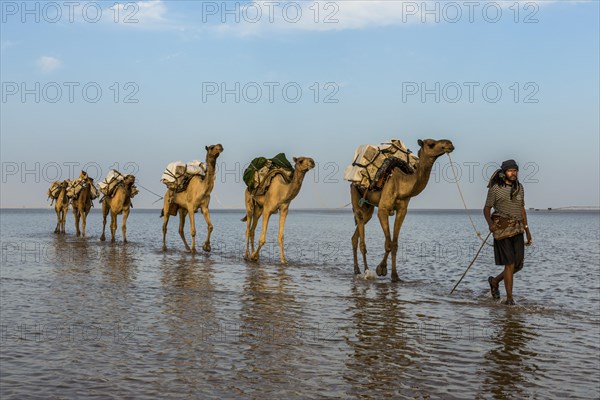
[[164, 248], [124, 240], [381, 270], [395, 277], [102, 238], [283, 261], [206, 248]]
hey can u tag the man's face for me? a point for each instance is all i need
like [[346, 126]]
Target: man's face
[[512, 174]]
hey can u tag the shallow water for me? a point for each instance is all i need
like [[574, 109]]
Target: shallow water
[[88, 319]]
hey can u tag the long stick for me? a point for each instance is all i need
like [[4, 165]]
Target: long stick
[[472, 262]]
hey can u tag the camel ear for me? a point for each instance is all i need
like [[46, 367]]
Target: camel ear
[[295, 159], [420, 142], [206, 147]]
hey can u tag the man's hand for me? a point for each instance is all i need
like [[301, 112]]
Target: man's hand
[[492, 226], [529, 238]]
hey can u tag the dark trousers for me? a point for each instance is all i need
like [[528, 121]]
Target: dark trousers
[[510, 251]]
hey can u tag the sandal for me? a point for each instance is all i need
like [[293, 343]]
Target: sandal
[[494, 289]]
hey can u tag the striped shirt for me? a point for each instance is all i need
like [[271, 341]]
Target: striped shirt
[[498, 197]]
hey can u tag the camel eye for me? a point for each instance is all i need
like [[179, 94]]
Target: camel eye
[[431, 145]]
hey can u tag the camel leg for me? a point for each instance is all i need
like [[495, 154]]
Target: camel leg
[[283, 211], [83, 219], [363, 245], [182, 215], [63, 219], [206, 215], [400, 214], [249, 222], [113, 225], [76, 215], [192, 229], [364, 217], [57, 229], [255, 218], [105, 210], [383, 215], [263, 235], [249, 213], [165, 223], [355, 251], [256, 213], [124, 227]]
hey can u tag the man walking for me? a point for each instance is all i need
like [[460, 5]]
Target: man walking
[[508, 222]]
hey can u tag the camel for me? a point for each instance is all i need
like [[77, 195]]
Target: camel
[[393, 198], [196, 195], [119, 202], [278, 197], [61, 207], [82, 203]]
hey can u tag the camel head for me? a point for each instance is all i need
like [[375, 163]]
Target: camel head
[[83, 175], [129, 180], [303, 164], [434, 148], [64, 184], [212, 152]]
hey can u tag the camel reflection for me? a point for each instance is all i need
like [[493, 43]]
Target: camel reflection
[[119, 264], [508, 369], [270, 331], [380, 355], [190, 316]]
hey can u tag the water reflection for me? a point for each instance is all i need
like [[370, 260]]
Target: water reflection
[[380, 355], [119, 263], [190, 319], [508, 369], [271, 332], [70, 255]]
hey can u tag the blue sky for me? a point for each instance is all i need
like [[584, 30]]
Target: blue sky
[[361, 77]]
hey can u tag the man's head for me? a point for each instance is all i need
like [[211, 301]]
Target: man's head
[[510, 170]]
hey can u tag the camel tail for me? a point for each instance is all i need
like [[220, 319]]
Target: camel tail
[[244, 219], [162, 213]]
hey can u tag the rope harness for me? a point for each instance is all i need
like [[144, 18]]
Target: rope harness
[[465, 204]]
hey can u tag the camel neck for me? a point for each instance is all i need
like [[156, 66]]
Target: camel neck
[[211, 164], [295, 185], [423, 174]]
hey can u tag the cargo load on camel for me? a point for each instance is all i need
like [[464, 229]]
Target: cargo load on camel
[[373, 164], [261, 171], [76, 185], [113, 179], [177, 175], [54, 190]]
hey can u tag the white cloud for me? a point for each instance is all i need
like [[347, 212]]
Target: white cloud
[[345, 15], [5, 44], [48, 64]]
